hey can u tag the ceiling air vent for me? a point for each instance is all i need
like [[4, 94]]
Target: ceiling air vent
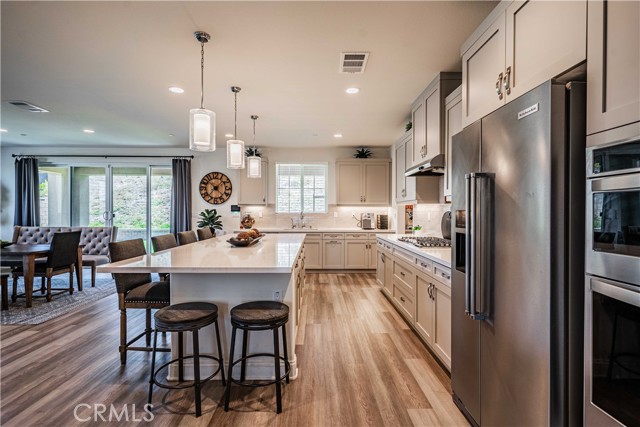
[[353, 62], [28, 106]]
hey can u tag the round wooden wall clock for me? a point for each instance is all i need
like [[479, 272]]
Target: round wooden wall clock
[[215, 188]]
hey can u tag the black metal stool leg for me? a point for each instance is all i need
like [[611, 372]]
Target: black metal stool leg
[[227, 393], [276, 350], [180, 357], [147, 326], [286, 352], [196, 372], [153, 364], [220, 354], [243, 365]]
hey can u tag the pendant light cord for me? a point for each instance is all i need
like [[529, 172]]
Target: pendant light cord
[[235, 116], [254, 135], [202, 75]]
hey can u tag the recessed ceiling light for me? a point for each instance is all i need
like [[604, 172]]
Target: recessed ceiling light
[[228, 135], [3, 130], [171, 134], [337, 135], [352, 90], [88, 131], [176, 89]]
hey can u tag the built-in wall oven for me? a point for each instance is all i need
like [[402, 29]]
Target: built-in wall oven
[[612, 293]]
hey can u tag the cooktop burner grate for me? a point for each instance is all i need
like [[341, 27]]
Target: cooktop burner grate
[[427, 242]]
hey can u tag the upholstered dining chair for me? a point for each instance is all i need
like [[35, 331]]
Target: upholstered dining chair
[[204, 233], [62, 257], [186, 237], [136, 291]]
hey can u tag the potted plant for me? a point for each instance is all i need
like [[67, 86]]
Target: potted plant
[[362, 153], [210, 218]]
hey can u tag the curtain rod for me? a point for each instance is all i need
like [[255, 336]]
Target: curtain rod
[[96, 155]]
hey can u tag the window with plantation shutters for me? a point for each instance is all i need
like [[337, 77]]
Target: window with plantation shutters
[[301, 188]]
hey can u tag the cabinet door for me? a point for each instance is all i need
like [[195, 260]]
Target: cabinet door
[[401, 191], [373, 259], [453, 125], [376, 184], [419, 118], [433, 125], [388, 273], [442, 320], [482, 66], [313, 254], [424, 308], [380, 268], [349, 184], [333, 254], [356, 254], [544, 39], [613, 44], [409, 182], [253, 191]]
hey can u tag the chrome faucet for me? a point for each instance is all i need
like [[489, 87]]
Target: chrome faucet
[[302, 224], [293, 224]]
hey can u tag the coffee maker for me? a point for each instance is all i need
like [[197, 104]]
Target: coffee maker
[[367, 221]]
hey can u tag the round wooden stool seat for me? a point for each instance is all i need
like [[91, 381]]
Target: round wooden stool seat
[[260, 313], [186, 316]]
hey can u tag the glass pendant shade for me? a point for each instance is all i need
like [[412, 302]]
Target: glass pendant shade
[[254, 167], [235, 154], [202, 130]]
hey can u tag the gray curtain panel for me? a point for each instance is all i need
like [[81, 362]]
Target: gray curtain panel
[[27, 207], [181, 195]]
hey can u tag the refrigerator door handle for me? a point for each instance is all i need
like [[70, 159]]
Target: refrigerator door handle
[[469, 280]]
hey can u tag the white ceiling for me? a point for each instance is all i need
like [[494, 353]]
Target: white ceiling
[[108, 65]]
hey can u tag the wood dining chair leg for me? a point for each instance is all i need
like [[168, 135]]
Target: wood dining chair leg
[[14, 291], [93, 276], [48, 288], [5, 292], [123, 336], [71, 281], [43, 286]]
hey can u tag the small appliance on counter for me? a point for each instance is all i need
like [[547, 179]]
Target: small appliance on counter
[[382, 222], [367, 221]]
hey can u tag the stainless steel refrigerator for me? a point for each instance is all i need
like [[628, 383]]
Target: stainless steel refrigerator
[[518, 261]]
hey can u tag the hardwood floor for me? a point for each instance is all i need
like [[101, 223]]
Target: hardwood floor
[[360, 365]]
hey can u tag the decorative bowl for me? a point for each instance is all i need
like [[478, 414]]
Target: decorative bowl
[[245, 242]]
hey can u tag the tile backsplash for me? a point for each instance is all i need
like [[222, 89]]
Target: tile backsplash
[[337, 217], [429, 217]]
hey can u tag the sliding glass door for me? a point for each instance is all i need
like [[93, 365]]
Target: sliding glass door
[[136, 199]]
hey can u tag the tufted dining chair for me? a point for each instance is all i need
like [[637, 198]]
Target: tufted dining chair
[[136, 291], [96, 247]]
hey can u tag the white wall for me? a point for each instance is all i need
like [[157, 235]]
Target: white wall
[[202, 164]]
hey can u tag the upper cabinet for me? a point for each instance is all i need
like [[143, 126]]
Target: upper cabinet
[[365, 182], [254, 191], [520, 45], [410, 189], [613, 49], [452, 125], [427, 114]]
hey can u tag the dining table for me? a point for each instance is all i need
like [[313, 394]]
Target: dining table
[[28, 254]]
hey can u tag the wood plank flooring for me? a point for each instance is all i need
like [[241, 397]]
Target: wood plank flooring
[[360, 365]]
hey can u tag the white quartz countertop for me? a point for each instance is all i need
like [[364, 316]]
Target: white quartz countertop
[[274, 253], [317, 230], [440, 255]]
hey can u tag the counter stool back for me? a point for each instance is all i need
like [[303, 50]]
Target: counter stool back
[[204, 233], [186, 237], [259, 316]]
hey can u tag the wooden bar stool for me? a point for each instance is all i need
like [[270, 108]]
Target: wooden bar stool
[[180, 318], [259, 316]]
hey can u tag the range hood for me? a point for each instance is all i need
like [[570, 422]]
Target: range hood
[[430, 167]]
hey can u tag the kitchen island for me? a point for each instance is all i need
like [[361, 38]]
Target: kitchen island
[[215, 271]]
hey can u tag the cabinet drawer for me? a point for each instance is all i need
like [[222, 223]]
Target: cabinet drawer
[[424, 265], [333, 236], [356, 236], [405, 302], [408, 257], [372, 237], [403, 274], [313, 236], [443, 274]]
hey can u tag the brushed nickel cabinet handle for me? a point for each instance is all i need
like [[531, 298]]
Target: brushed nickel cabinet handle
[[507, 76], [402, 273], [402, 299], [499, 86]]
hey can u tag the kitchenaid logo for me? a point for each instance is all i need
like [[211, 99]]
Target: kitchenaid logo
[[527, 111], [99, 412]]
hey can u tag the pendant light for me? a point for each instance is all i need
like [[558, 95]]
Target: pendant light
[[254, 162], [235, 147], [202, 122]]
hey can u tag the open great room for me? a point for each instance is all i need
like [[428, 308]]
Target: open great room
[[313, 213]]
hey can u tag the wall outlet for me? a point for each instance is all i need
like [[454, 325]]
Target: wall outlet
[[260, 214], [277, 295], [335, 214]]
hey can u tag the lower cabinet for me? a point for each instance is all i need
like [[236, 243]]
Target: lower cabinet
[[420, 290], [356, 254], [333, 254], [313, 251]]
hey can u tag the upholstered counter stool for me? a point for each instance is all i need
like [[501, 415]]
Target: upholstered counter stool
[[259, 316], [180, 318]]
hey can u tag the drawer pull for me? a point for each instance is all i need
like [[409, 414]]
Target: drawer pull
[[402, 273], [402, 299], [424, 265]]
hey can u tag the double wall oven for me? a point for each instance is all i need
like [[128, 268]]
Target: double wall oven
[[612, 292]]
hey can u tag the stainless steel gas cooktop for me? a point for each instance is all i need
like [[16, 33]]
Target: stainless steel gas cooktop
[[426, 242]]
